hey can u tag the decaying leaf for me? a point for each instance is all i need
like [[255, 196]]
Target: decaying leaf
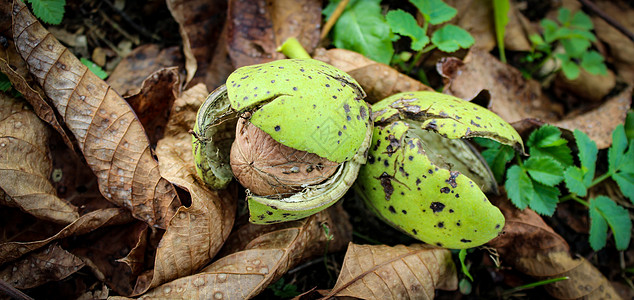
[[377, 80], [260, 255], [257, 28], [50, 264], [512, 97], [532, 247], [196, 233], [25, 164], [11, 250], [620, 48], [599, 123], [198, 21], [110, 136], [128, 76], [399, 272]]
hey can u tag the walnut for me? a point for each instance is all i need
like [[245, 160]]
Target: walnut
[[268, 168]]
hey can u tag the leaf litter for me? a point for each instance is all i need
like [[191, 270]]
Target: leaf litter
[[196, 251]]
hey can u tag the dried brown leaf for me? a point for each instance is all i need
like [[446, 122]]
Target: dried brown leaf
[[11, 250], [257, 28], [110, 136], [620, 48], [528, 244], [512, 97], [196, 233], [476, 17], [378, 80], [200, 23], [25, 164], [153, 103], [399, 272], [37, 268], [264, 259], [127, 78], [599, 123]]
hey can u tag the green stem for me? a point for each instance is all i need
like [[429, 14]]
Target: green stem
[[579, 200], [535, 284], [293, 49], [600, 178]]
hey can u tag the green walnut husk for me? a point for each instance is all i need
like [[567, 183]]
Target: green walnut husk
[[304, 104], [416, 176]]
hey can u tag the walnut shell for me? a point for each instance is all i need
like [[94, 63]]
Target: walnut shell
[[268, 168]]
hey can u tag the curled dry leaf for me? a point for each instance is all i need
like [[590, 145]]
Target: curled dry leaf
[[532, 247], [110, 136], [128, 76], [262, 257], [257, 28], [512, 97], [200, 23], [399, 272], [25, 164], [11, 250], [37, 268], [599, 123], [196, 233], [153, 103], [378, 80]]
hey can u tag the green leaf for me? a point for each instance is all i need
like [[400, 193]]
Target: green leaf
[[587, 155], [450, 38], [49, 11], [462, 255], [519, 187], [617, 149], [626, 184], [550, 30], [581, 20], [94, 68], [5, 83], [497, 158], [284, 290], [501, 16], [573, 177], [592, 61], [545, 170], [563, 15], [629, 125], [547, 141], [435, 11], [575, 47], [536, 39], [603, 210], [362, 28], [403, 23], [545, 199], [570, 68]]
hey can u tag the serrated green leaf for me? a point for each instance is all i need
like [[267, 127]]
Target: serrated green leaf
[[545, 170], [603, 210], [592, 62], [363, 29], [94, 68], [501, 16], [403, 23], [497, 158], [626, 184], [519, 187], [617, 149], [545, 199], [5, 83], [461, 256], [570, 69], [49, 11], [573, 177], [629, 125], [587, 155], [582, 34], [563, 15], [575, 47], [435, 11], [581, 20], [488, 143], [450, 38], [547, 141]]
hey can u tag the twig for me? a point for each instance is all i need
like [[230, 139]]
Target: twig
[[618, 26], [13, 292], [333, 18]]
